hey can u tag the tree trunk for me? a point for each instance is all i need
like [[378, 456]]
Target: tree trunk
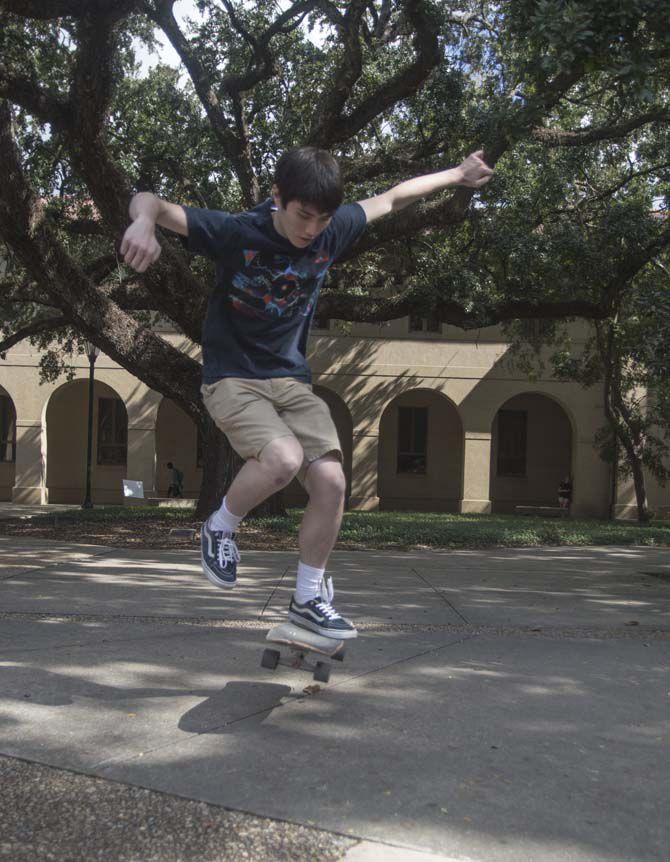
[[274, 505], [220, 466], [640, 488], [619, 416]]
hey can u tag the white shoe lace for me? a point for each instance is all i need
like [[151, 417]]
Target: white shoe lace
[[328, 611], [227, 552], [327, 594]]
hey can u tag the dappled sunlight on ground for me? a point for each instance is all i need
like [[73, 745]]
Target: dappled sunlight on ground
[[490, 696]]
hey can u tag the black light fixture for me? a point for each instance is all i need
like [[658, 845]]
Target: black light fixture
[[92, 352]]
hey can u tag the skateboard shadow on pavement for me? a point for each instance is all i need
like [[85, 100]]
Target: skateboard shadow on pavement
[[239, 707]]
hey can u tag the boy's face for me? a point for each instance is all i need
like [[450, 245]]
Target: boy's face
[[300, 223]]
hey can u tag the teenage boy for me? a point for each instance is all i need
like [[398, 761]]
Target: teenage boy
[[270, 264]]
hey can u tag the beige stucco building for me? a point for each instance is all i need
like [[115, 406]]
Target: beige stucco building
[[428, 420]]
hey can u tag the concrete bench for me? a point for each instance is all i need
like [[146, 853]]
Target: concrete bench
[[162, 502]]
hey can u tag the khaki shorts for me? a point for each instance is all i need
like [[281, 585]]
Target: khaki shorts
[[252, 413]]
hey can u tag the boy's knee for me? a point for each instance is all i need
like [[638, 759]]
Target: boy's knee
[[283, 459], [327, 480]]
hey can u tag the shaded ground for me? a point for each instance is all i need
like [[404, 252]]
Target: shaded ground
[[507, 705]]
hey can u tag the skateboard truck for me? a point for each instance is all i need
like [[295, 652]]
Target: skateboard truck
[[301, 642]]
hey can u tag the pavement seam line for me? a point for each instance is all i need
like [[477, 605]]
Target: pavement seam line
[[274, 590], [441, 595], [384, 667], [290, 702]]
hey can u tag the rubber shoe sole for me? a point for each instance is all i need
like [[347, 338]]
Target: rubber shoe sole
[[213, 578], [341, 635]]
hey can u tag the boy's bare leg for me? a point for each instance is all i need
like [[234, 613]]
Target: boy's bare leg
[[259, 478], [326, 485], [277, 464], [311, 604]]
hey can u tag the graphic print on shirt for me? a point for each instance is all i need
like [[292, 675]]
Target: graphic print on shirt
[[275, 285]]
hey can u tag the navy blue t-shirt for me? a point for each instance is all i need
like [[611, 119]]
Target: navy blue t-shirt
[[266, 289]]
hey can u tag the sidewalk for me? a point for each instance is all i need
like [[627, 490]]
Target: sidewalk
[[20, 510], [499, 706]]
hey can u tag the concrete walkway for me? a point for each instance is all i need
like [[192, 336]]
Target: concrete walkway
[[499, 706], [20, 510]]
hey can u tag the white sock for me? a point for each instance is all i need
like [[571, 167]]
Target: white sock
[[223, 519], [308, 584]]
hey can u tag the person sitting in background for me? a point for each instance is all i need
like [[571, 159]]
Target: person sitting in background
[[565, 493]]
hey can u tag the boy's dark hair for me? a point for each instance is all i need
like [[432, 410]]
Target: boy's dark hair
[[311, 176]]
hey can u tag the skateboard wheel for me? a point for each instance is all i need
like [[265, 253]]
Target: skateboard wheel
[[322, 671], [270, 658]]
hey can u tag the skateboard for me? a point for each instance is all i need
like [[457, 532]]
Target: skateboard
[[301, 642]]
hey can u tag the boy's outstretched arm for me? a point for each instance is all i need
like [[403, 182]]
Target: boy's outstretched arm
[[472, 172], [139, 245]]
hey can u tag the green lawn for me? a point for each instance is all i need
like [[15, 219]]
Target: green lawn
[[389, 529], [441, 530]]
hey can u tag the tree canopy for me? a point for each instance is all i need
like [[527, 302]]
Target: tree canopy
[[568, 99]]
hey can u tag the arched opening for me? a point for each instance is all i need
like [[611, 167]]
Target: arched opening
[[67, 436], [531, 452], [420, 453], [7, 444], [295, 494], [177, 441]]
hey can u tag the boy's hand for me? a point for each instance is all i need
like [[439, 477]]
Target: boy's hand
[[473, 171], [139, 245]]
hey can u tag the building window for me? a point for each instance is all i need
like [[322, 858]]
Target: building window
[[424, 324], [512, 428], [412, 439], [535, 329], [7, 429], [199, 448], [112, 431]]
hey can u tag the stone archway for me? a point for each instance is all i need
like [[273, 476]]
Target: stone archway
[[295, 494], [7, 444], [420, 453], [67, 434], [177, 441], [531, 452]]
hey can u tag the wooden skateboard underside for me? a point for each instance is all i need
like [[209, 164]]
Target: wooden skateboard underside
[[300, 643], [299, 638]]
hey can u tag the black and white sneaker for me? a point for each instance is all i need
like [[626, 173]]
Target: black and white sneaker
[[219, 556], [320, 616]]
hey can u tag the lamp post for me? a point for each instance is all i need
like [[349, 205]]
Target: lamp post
[[92, 353]]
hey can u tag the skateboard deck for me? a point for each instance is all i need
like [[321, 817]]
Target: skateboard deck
[[300, 643]]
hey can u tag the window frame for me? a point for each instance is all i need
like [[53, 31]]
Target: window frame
[[412, 452], [503, 470], [8, 440], [415, 323], [119, 409], [321, 323], [199, 449]]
